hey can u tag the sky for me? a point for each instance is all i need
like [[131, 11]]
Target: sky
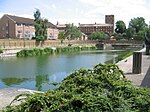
[[78, 11]]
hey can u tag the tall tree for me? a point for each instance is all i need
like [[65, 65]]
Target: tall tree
[[130, 32], [72, 32], [138, 24], [40, 25], [120, 27], [61, 36]]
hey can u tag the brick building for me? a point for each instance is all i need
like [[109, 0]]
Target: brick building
[[19, 27], [108, 27], [61, 27]]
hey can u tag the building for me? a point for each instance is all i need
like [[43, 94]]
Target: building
[[19, 27], [61, 27], [108, 27]]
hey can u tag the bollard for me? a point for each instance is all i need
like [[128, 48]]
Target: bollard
[[137, 62]]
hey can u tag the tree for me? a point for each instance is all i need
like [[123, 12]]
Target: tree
[[139, 35], [120, 27], [72, 32], [130, 32], [41, 26], [61, 36], [98, 35], [138, 24]]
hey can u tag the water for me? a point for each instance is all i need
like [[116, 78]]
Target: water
[[35, 72]]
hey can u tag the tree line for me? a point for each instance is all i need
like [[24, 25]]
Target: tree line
[[137, 30]]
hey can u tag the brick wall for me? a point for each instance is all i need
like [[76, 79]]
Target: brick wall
[[48, 43]]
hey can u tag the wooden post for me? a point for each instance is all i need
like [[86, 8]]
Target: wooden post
[[137, 62]]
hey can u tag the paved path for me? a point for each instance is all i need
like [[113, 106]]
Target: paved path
[[142, 79]]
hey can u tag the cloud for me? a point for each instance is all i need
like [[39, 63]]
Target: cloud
[[79, 11], [122, 9], [53, 6]]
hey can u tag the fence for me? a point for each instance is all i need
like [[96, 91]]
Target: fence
[[32, 43]]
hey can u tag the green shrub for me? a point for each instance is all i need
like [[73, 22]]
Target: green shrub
[[46, 51], [40, 38], [1, 51], [101, 89], [123, 56]]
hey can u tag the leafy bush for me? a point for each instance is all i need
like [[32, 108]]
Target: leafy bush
[[101, 89], [123, 56], [1, 51], [46, 51], [40, 38]]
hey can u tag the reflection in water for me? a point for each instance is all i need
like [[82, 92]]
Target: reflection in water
[[40, 80], [22, 71], [11, 81]]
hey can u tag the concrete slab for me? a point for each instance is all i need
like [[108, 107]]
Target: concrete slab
[[142, 79], [8, 94]]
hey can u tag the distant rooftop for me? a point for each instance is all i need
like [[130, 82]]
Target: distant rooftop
[[89, 25], [23, 20]]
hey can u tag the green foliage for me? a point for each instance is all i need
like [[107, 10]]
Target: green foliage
[[123, 56], [41, 26], [101, 89], [120, 27], [34, 52], [72, 32], [88, 48], [98, 36], [130, 32], [138, 24], [140, 35], [61, 36], [1, 51], [67, 49], [147, 36], [47, 51], [40, 38]]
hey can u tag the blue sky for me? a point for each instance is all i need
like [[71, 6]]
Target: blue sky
[[78, 11]]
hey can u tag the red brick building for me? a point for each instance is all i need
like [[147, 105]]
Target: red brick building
[[19, 27], [108, 27]]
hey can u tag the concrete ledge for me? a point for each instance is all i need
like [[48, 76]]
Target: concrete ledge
[[8, 94]]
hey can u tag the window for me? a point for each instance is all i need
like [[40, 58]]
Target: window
[[18, 24], [27, 34], [51, 36], [19, 34], [33, 34], [6, 24]]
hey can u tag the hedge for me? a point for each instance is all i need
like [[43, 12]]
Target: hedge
[[47, 51], [101, 89]]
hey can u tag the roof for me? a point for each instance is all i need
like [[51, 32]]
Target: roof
[[23, 20], [94, 25], [62, 25]]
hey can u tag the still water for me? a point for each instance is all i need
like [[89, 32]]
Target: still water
[[36, 72]]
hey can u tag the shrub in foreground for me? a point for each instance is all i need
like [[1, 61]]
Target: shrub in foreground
[[101, 89], [1, 51]]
